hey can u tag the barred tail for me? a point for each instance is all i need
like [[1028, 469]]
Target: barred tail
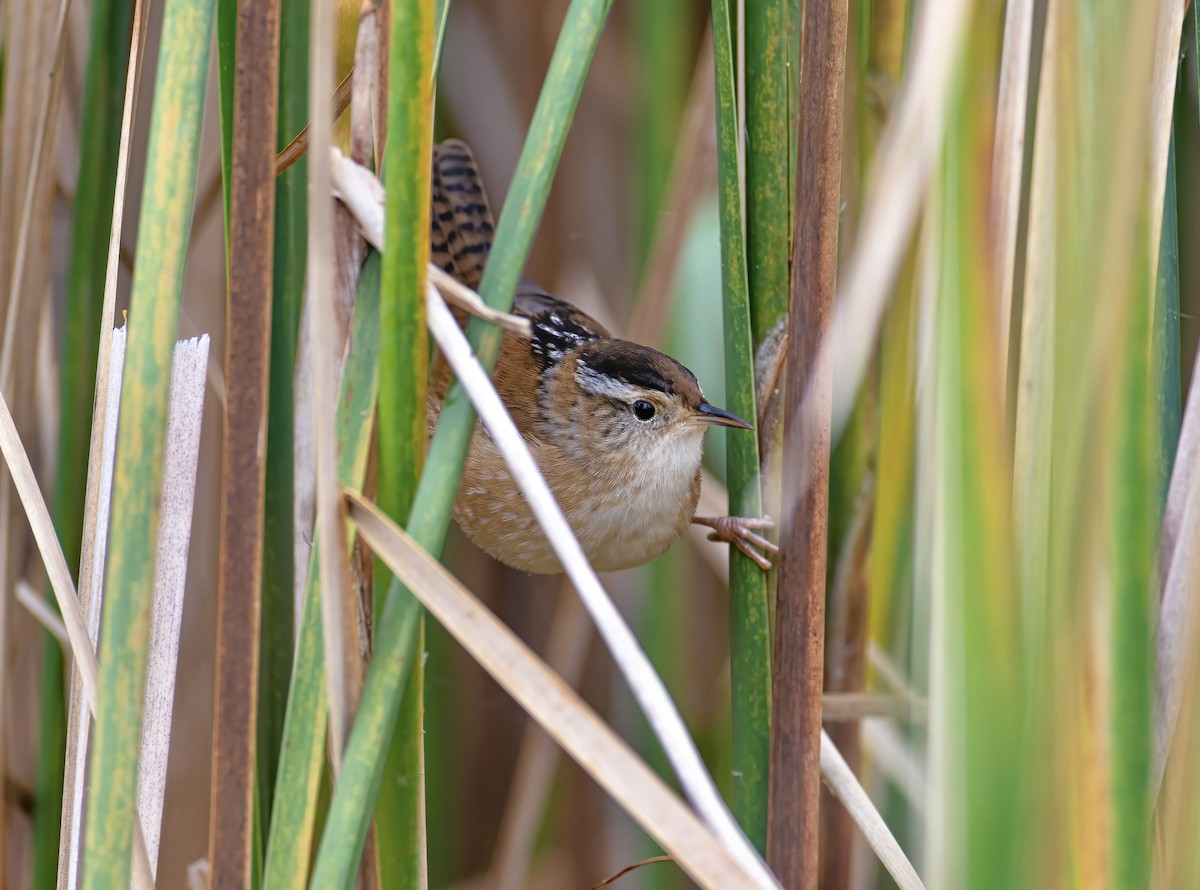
[[461, 225]]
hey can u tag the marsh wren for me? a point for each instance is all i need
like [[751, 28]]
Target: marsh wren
[[616, 428]]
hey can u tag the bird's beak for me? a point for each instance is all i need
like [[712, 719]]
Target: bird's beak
[[719, 417]]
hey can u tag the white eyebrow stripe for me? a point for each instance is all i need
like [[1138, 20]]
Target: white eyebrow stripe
[[603, 385]]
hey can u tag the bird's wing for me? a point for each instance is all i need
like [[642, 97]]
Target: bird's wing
[[558, 327]]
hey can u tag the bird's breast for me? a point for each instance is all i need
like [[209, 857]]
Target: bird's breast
[[624, 512]]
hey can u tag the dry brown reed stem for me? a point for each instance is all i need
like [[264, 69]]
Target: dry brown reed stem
[[793, 836], [36, 188], [367, 124], [19, 307], [846, 663], [1008, 159], [340, 639], [247, 360]]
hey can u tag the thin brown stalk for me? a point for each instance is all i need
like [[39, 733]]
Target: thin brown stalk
[[37, 194], [297, 148], [247, 359], [653, 860], [844, 701], [795, 784], [17, 312]]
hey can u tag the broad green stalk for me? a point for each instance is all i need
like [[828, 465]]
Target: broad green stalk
[[975, 687], [403, 368], [892, 532], [226, 69], [100, 134], [1135, 515], [174, 144], [277, 636], [302, 753], [398, 628], [771, 29], [750, 636], [772, 47]]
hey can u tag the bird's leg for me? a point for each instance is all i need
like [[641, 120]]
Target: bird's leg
[[739, 531]]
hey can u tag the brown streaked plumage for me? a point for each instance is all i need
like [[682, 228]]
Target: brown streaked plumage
[[616, 428]]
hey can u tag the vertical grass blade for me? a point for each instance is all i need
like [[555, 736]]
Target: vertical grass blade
[[750, 636], [100, 135], [226, 73], [277, 637], [975, 688], [403, 373], [771, 44], [162, 242], [1135, 518], [397, 629], [248, 325]]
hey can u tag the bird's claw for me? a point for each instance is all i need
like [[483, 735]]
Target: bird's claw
[[739, 531]]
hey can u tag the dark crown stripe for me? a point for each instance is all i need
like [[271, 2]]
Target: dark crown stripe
[[633, 369]]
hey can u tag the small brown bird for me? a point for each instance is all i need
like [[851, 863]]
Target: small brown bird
[[616, 428]]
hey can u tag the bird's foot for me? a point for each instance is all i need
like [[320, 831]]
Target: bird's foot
[[739, 531]]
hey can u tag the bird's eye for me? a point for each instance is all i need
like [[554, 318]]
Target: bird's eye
[[643, 410]]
